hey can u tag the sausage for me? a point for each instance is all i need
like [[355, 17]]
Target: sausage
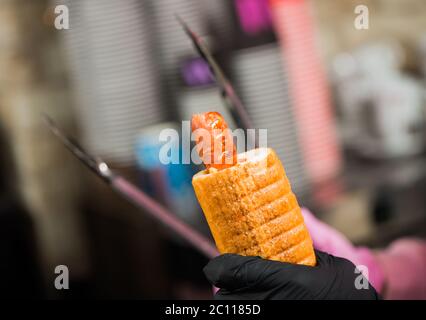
[[214, 140]]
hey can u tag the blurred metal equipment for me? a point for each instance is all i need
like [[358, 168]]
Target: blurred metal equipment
[[382, 109], [112, 63], [135, 195]]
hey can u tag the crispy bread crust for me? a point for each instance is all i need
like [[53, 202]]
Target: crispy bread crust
[[251, 210]]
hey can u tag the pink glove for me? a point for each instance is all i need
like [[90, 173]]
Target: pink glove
[[400, 268], [404, 266], [330, 240]]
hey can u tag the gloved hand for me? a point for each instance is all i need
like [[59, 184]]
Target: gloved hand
[[240, 277]]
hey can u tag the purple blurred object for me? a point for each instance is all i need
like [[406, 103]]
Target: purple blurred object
[[196, 72], [254, 16]]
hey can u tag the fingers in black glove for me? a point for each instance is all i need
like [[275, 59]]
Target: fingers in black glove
[[240, 277]]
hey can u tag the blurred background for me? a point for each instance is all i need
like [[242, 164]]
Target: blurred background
[[344, 108]]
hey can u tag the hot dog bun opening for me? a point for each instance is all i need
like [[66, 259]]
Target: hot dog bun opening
[[258, 156]]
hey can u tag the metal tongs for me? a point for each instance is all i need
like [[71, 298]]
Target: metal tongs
[[232, 101], [133, 193]]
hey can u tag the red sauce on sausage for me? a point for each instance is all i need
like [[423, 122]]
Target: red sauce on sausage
[[215, 143]]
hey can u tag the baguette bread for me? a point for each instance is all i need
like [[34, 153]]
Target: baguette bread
[[252, 211]]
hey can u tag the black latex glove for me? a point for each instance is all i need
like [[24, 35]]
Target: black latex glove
[[240, 277]]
